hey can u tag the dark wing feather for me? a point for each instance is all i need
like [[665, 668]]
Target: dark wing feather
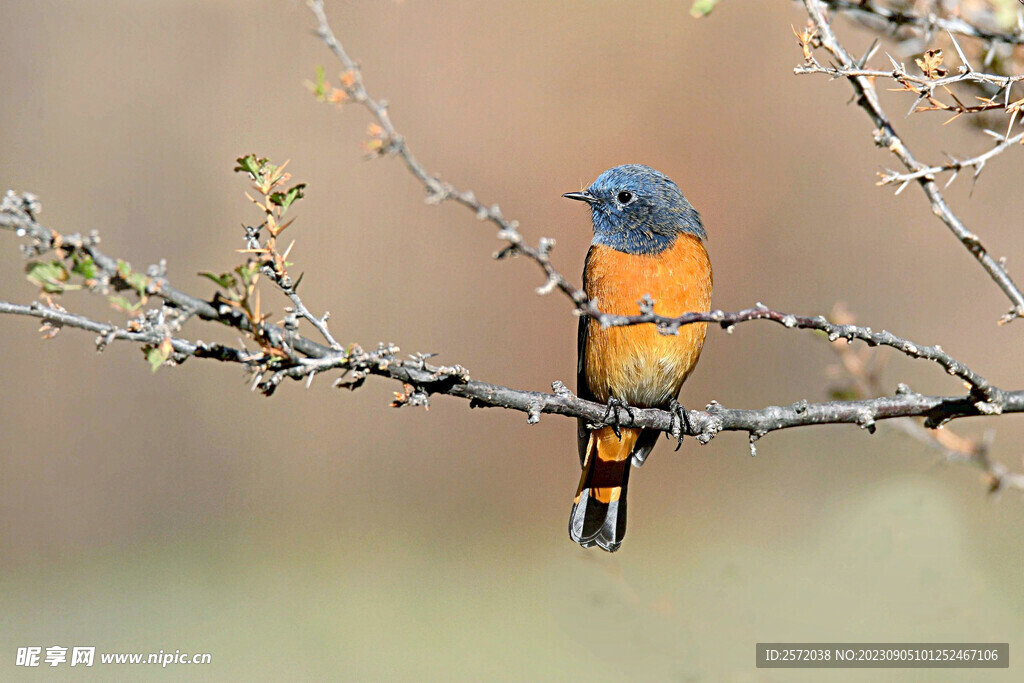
[[582, 388], [644, 445]]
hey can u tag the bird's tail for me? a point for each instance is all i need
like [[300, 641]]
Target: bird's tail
[[599, 511]]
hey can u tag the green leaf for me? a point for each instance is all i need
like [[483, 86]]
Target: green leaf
[[157, 355], [247, 272], [320, 89], [702, 8], [224, 280], [122, 304], [285, 199], [51, 276], [138, 282], [251, 164], [85, 267]]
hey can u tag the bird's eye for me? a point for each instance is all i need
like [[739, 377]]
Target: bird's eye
[[625, 197]]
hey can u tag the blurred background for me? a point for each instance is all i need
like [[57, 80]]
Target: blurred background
[[320, 533]]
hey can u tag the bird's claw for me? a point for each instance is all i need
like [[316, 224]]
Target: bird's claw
[[611, 415], [679, 423]]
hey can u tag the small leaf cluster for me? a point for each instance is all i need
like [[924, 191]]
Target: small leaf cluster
[[271, 181], [325, 92], [157, 354], [55, 276]]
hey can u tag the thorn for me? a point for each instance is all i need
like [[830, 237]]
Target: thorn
[[869, 53], [990, 55], [966, 68], [1013, 118], [287, 251], [974, 179], [920, 98]]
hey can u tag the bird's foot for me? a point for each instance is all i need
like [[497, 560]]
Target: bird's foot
[[611, 415], [679, 424]]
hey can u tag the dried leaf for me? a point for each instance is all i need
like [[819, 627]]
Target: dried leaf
[[930, 64]]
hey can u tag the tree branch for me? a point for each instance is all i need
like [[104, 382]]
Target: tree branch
[[979, 386], [14, 217], [886, 136], [426, 379], [924, 87], [56, 318], [867, 10], [303, 358], [954, 166]]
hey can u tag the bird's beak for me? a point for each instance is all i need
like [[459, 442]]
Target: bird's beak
[[583, 196]]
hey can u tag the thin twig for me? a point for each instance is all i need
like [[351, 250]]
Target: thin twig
[[437, 190], [58, 318], [891, 177]]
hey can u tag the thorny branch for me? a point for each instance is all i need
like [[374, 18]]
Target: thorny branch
[[924, 88], [861, 377], [284, 353], [301, 358], [54, 318], [886, 136], [387, 140], [874, 14], [954, 166], [900, 74]]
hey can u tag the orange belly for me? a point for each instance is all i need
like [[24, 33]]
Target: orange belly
[[637, 364]]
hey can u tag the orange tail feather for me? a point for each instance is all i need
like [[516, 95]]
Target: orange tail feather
[[599, 511]]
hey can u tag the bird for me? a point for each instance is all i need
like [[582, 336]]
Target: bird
[[648, 241]]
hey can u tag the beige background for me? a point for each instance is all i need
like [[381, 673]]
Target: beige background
[[320, 533]]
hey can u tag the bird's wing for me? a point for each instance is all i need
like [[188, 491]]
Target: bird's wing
[[582, 387]]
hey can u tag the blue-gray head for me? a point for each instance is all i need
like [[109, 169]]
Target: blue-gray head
[[638, 210]]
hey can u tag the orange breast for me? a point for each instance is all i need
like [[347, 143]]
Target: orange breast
[[637, 364]]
